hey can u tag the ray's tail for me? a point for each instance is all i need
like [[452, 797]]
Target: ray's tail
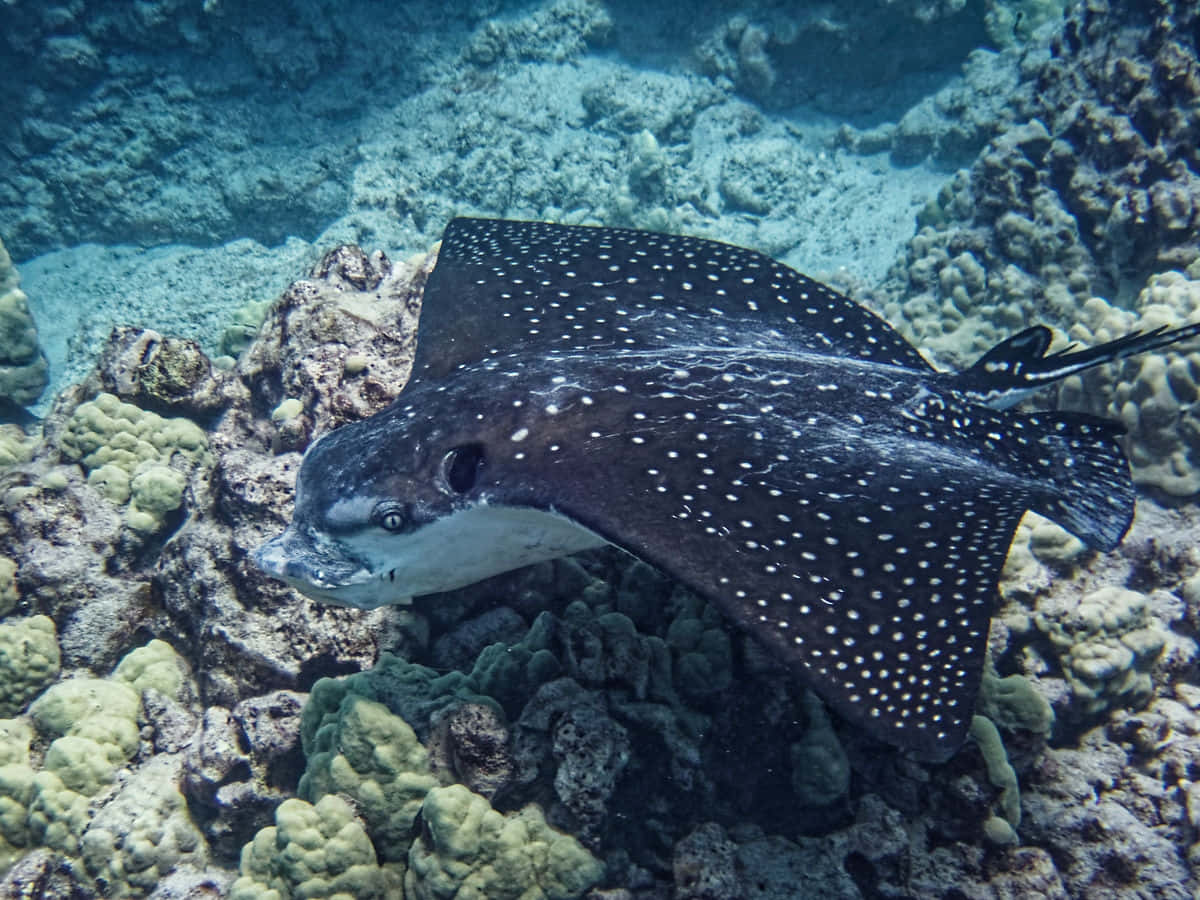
[[1020, 365]]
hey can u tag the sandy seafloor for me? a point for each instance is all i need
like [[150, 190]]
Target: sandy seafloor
[[963, 169]]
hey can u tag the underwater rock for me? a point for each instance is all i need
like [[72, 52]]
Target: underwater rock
[[240, 764], [167, 375], [352, 306], [592, 751], [459, 647], [555, 32], [73, 558], [469, 743], [704, 868]]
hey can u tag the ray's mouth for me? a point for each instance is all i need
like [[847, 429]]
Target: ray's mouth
[[291, 557]]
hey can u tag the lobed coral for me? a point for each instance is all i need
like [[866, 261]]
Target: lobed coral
[[142, 835], [467, 850], [372, 757], [1106, 644], [15, 446], [314, 852], [135, 458], [29, 659], [91, 726], [1156, 396], [23, 368]]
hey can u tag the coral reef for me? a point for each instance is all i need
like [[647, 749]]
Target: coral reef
[[1087, 193], [1155, 398], [1073, 196], [591, 688], [179, 725]]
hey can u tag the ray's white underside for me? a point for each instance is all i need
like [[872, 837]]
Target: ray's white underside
[[458, 549]]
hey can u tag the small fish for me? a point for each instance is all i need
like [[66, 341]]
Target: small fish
[[753, 433]]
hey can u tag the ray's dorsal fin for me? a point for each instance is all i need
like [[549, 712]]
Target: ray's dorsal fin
[[500, 286]]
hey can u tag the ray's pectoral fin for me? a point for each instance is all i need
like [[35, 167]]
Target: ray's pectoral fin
[[874, 583], [1092, 493]]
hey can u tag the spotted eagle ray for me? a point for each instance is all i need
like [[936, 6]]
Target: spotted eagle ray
[[755, 434]]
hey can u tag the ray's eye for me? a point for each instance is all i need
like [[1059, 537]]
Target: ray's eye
[[391, 517], [461, 466]]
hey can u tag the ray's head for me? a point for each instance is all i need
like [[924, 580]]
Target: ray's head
[[404, 504], [366, 495]]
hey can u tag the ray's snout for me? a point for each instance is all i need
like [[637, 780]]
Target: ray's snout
[[294, 558], [273, 558]]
